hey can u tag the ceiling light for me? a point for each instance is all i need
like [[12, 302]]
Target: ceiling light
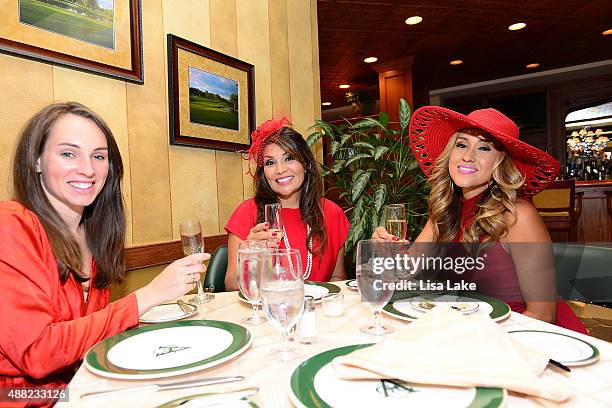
[[369, 60], [533, 65], [607, 32], [344, 86], [414, 20], [516, 26], [456, 62], [326, 103]]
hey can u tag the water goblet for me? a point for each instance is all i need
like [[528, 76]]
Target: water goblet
[[374, 277], [395, 220], [282, 296], [252, 261], [193, 243]]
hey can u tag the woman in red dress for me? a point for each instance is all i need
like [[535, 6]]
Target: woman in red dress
[[62, 247], [481, 178], [287, 173]]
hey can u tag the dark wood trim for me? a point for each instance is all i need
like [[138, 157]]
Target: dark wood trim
[[144, 256]]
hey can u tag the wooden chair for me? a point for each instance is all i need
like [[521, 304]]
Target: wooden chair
[[560, 207]]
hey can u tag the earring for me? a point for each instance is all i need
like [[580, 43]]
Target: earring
[[496, 192]]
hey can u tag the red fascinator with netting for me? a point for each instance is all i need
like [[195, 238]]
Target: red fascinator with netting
[[266, 133]]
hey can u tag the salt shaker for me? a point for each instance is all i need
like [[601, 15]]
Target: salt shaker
[[308, 323]]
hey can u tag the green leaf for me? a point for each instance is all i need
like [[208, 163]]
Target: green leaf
[[314, 138], [404, 114], [383, 118], [380, 194], [358, 157], [367, 123], [334, 147], [364, 144], [380, 150], [358, 209], [324, 126], [345, 138], [359, 185], [337, 166]]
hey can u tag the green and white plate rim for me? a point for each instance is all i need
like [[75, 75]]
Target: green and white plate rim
[[246, 403], [496, 309], [566, 349], [192, 345], [167, 312], [314, 289], [314, 384], [352, 284]]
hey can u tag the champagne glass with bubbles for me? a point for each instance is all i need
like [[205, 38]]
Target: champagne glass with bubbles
[[373, 278], [395, 216], [253, 259], [282, 296], [273, 215], [193, 243]]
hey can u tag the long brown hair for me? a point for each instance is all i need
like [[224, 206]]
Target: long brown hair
[[103, 220], [499, 198], [311, 205]]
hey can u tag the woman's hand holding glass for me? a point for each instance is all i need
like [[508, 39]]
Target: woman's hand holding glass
[[253, 258], [273, 214], [193, 242], [262, 232], [173, 282]]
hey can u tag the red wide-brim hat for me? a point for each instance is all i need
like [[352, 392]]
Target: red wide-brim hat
[[431, 127]]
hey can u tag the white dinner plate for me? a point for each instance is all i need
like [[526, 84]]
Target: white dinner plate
[[465, 306], [563, 348], [167, 312]]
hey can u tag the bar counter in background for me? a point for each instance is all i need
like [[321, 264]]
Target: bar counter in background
[[595, 222]]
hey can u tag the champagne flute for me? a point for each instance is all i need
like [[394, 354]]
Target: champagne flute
[[395, 216], [373, 279], [282, 296], [193, 243], [273, 215], [253, 258]]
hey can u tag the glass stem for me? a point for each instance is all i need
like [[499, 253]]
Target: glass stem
[[255, 309], [377, 321], [200, 289], [284, 342]]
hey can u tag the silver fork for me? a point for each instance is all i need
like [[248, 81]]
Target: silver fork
[[273, 397]]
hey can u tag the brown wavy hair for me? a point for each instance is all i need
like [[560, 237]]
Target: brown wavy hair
[[103, 220], [499, 198], [311, 205]]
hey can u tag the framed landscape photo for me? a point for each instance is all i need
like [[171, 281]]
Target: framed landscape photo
[[211, 97], [99, 36]]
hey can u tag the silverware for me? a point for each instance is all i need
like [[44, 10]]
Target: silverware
[[559, 365], [160, 387], [209, 400], [184, 306]]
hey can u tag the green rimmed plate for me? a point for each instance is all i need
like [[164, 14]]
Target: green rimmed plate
[[212, 399], [496, 309], [352, 284], [314, 384], [315, 289], [566, 349], [167, 349], [167, 312]]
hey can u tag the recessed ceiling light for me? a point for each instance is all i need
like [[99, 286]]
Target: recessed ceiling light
[[326, 103], [516, 26], [607, 32], [456, 62], [344, 86], [534, 65], [369, 60], [414, 20]]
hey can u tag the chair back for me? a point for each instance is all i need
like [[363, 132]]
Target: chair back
[[557, 199], [217, 267]]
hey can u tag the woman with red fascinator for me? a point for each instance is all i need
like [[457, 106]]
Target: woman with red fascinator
[[481, 178], [287, 173]]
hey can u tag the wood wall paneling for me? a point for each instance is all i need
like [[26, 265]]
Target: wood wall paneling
[[279, 58], [20, 100], [188, 19]]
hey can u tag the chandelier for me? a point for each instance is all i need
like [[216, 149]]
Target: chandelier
[[587, 141]]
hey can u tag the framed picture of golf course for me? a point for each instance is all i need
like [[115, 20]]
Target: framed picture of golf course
[[211, 97], [99, 36]]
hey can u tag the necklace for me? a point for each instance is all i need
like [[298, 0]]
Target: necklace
[[308, 249]]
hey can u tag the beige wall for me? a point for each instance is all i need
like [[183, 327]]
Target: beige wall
[[166, 184]]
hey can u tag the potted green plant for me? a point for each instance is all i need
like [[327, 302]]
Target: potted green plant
[[371, 165]]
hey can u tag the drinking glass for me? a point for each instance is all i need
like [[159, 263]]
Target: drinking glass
[[282, 296], [253, 258], [374, 277], [395, 217], [273, 214], [193, 243]]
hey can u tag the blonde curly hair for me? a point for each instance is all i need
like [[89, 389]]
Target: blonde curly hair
[[500, 198]]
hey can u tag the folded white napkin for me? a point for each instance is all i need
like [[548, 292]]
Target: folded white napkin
[[444, 347]]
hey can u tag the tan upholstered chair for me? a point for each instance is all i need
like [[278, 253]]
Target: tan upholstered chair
[[560, 207]]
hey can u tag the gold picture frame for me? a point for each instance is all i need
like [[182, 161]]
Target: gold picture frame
[[102, 37], [211, 97]]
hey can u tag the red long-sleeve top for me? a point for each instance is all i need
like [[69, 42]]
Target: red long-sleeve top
[[47, 326]]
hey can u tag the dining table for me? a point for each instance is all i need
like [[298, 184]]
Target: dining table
[[592, 384]]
